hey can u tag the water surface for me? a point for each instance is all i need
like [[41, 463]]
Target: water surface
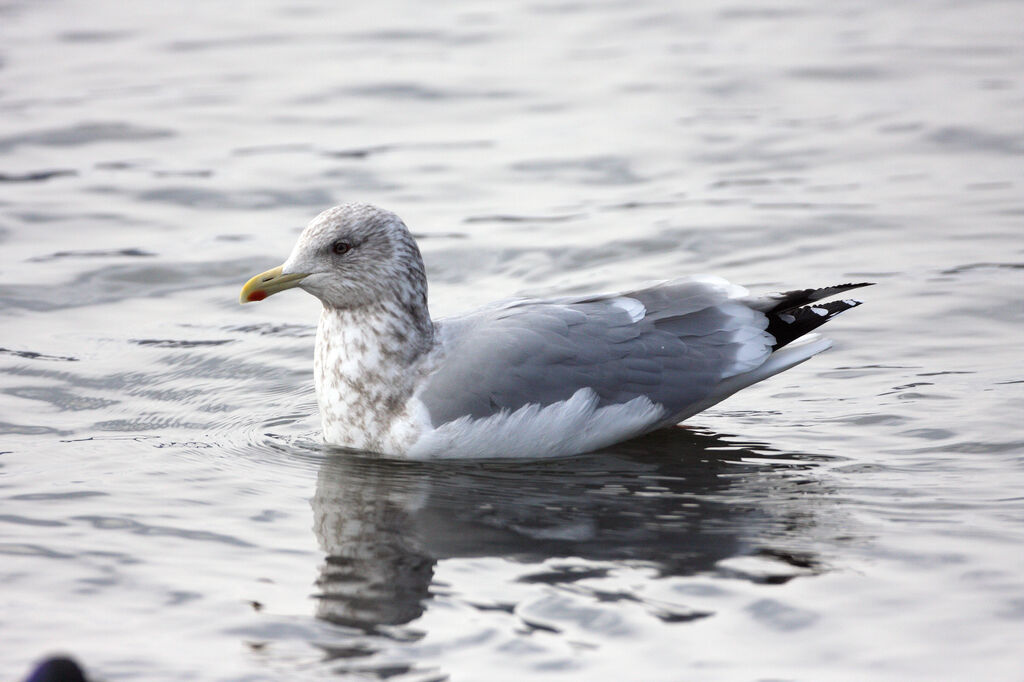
[[167, 511]]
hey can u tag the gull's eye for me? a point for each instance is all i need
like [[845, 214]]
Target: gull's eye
[[341, 247]]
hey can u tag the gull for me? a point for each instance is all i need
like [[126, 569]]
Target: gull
[[524, 377]]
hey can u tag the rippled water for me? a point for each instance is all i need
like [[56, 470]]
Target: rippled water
[[166, 509]]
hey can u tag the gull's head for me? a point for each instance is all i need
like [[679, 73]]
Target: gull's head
[[349, 256]]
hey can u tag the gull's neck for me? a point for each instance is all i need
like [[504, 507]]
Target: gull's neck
[[367, 364]]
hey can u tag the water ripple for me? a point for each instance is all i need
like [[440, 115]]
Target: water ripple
[[83, 134]]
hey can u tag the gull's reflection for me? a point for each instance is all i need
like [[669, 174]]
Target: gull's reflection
[[678, 500]]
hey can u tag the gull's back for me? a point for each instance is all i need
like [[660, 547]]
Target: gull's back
[[587, 372]]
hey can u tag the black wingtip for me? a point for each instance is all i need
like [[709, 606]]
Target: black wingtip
[[788, 300], [792, 323]]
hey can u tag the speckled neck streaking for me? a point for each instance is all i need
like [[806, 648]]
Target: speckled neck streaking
[[368, 363]]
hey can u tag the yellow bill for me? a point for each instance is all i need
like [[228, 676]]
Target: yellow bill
[[269, 283]]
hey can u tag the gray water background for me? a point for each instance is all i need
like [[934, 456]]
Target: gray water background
[[166, 509]]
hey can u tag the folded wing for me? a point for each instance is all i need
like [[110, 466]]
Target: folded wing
[[671, 344]]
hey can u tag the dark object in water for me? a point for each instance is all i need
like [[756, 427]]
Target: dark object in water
[[57, 669]]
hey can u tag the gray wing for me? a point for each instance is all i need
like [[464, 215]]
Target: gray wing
[[671, 343]]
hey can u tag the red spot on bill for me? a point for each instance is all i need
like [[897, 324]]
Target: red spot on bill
[[258, 295]]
